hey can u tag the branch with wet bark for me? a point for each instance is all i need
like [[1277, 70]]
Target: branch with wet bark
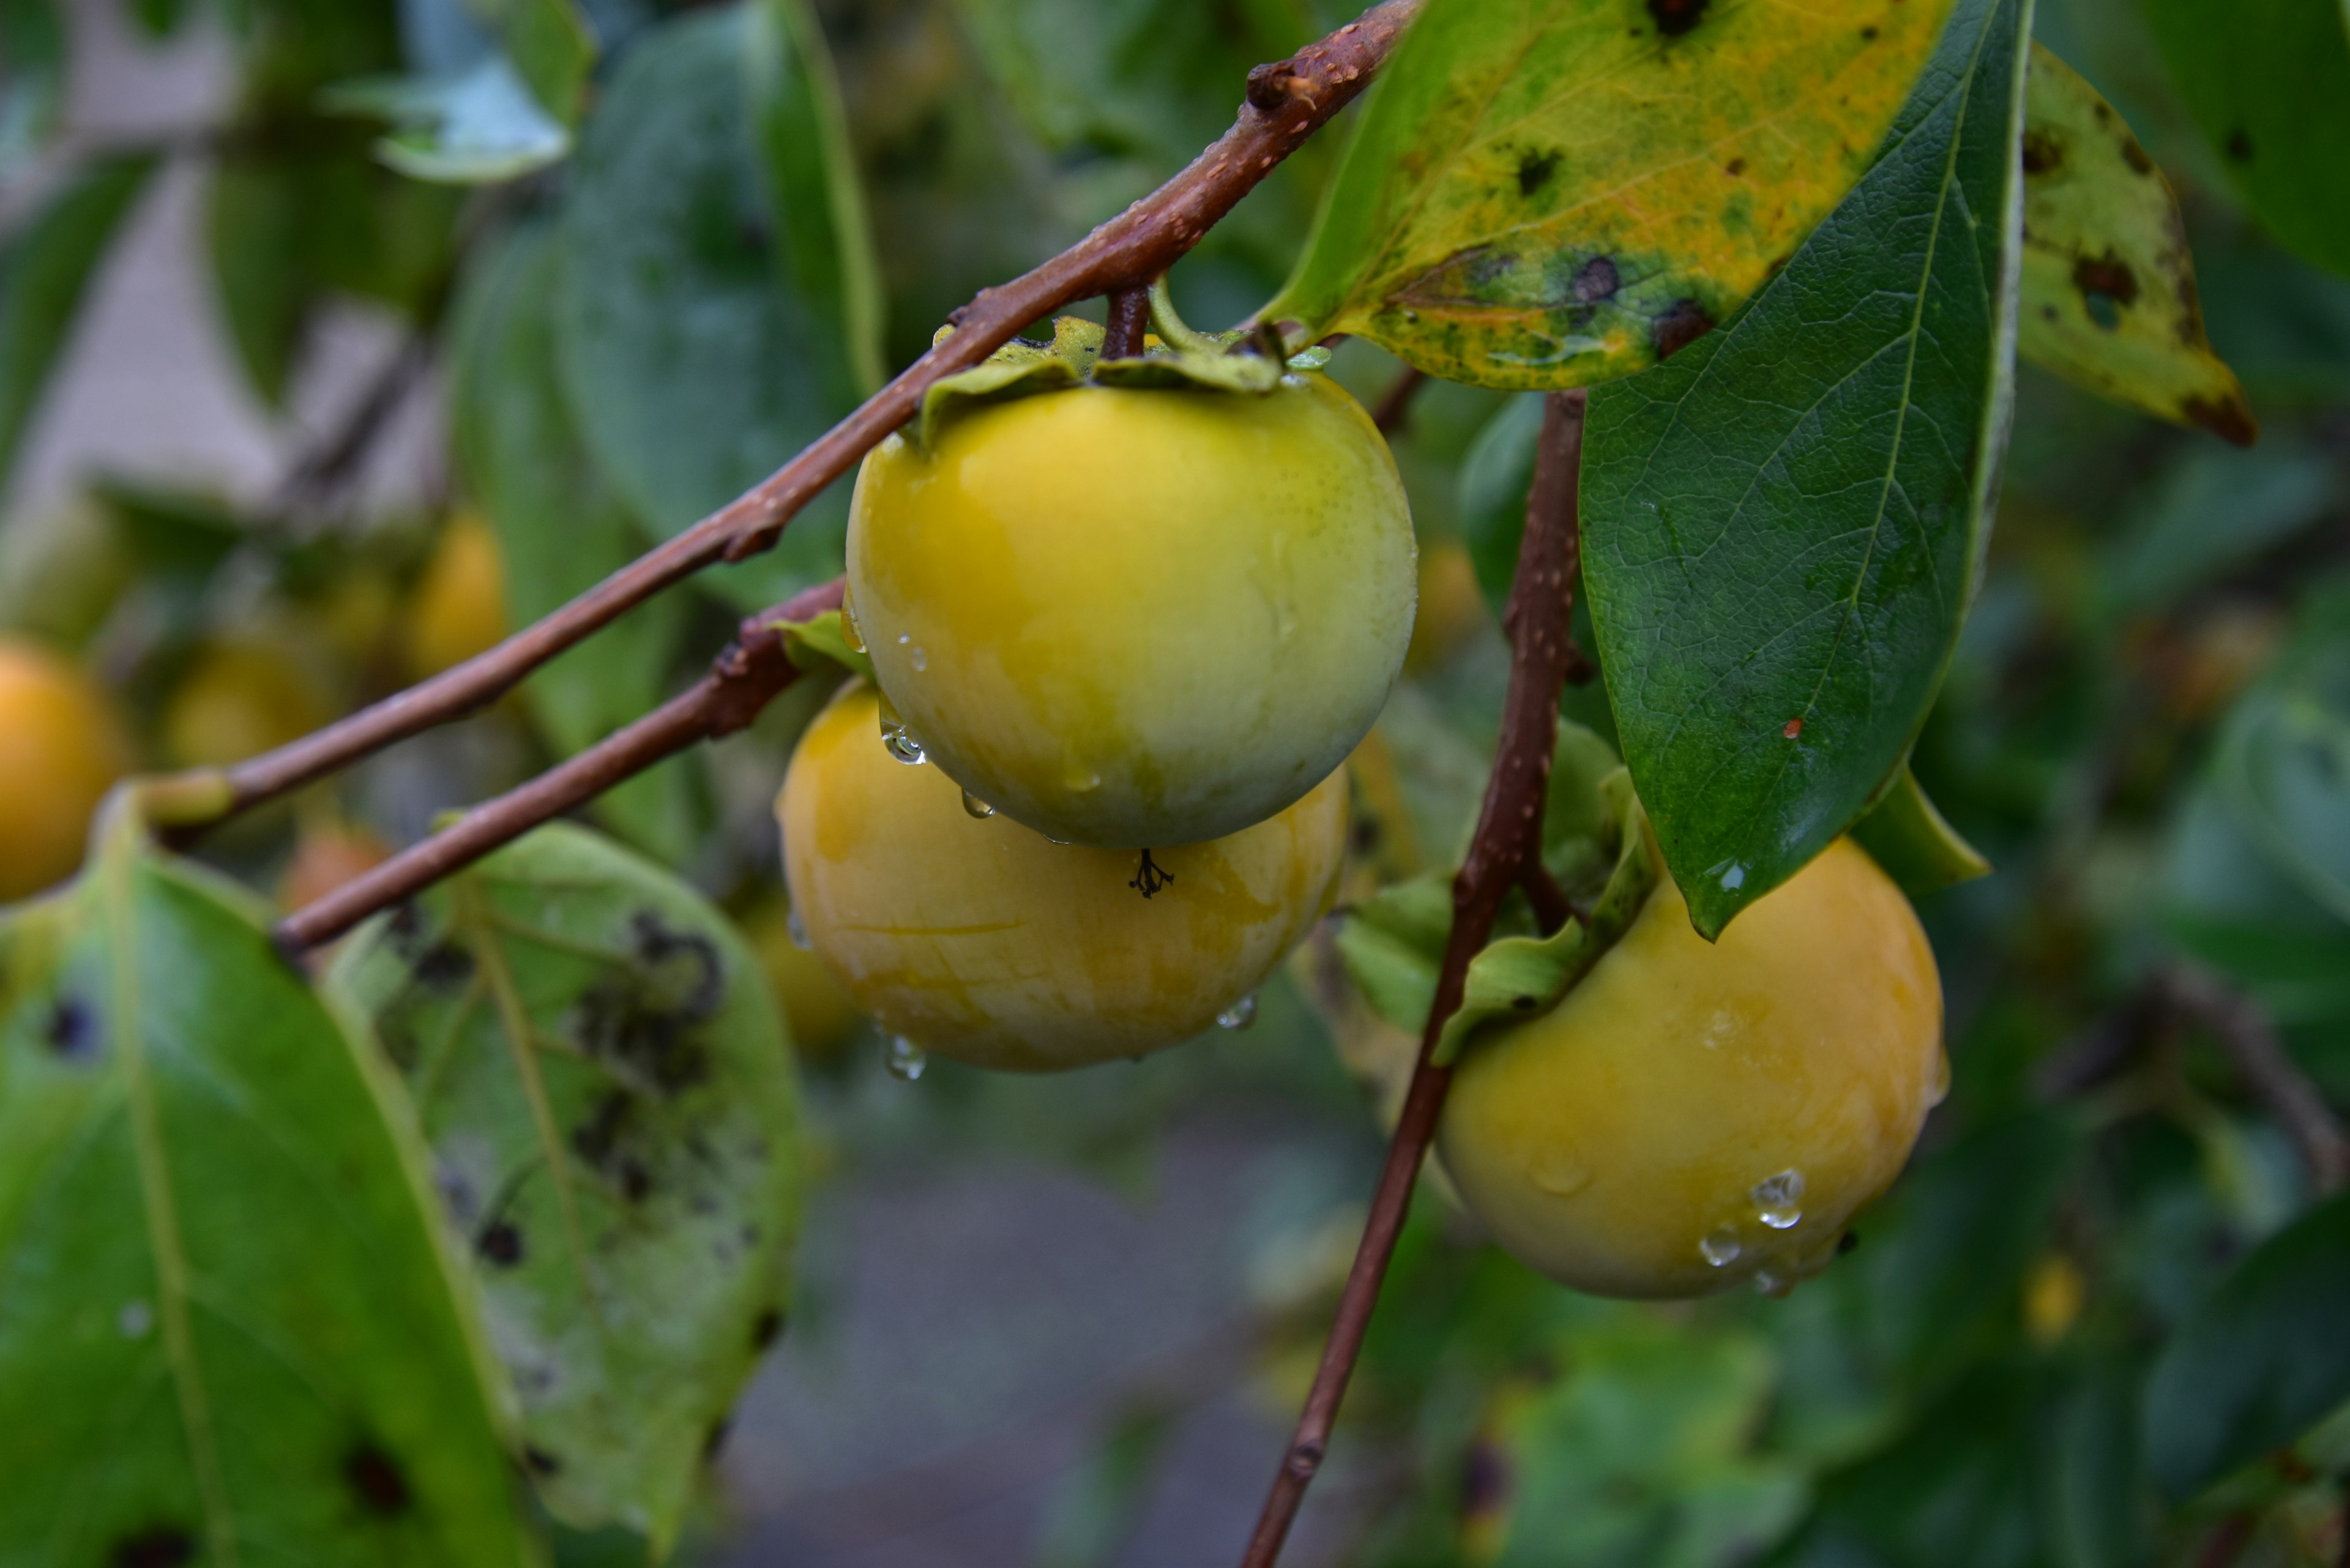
[[1287, 101], [1507, 839], [743, 679]]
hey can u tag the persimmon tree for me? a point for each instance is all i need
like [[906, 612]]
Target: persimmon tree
[[442, 1212]]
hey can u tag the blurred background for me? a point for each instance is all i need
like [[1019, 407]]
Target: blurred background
[[286, 427]]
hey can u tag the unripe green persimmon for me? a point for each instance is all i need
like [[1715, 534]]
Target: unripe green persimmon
[[1696, 1115], [61, 748], [980, 939], [1137, 617]]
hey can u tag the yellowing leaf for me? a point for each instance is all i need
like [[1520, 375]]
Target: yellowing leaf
[[2109, 300], [1546, 195]]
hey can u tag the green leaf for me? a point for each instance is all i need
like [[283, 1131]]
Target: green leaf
[[2284, 759], [2228, 906], [1549, 196], [2260, 1362], [561, 530], [2212, 514], [826, 254], [607, 1091], [1782, 526], [552, 47], [31, 79], [230, 1333], [1496, 473], [2269, 81], [691, 373], [1393, 945], [476, 127], [1910, 839], [44, 269], [823, 640], [2109, 300]]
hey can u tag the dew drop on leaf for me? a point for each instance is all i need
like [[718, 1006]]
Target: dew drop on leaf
[[905, 1059], [1239, 1015]]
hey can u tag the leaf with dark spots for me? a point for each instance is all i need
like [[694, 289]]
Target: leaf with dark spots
[[766, 1328], [1679, 327], [2109, 297], [1785, 519], [444, 967], [1686, 151], [616, 1083], [540, 1461], [212, 1202]]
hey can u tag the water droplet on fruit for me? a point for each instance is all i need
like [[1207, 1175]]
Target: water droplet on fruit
[[921, 660], [1777, 1199], [1239, 1015], [797, 929], [1082, 781], [850, 633], [135, 1319], [904, 638], [1776, 1286], [1721, 1248], [905, 1059], [976, 806], [1558, 1171], [896, 740], [1939, 1089]]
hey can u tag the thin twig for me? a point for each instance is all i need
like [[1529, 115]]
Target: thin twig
[[2245, 1032], [1287, 102], [1509, 834], [742, 681], [1395, 403]]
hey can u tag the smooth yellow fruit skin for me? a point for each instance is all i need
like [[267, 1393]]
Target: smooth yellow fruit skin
[[61, 748], [460, 607], [982, 941], [237, 700], [1606, 1141], [1133, 617]]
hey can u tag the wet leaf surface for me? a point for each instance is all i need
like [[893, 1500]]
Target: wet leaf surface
[[608, 1092], [1782, 526], [1550, 196], [227, 1331], [2109, 299]]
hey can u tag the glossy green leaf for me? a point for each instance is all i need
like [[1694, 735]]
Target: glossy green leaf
[[552, 47], [562, 530], [1914, 846], [826, 245], [475, 126], [2109, 297], [32, 79], [1549, 196], [692, 375], [823, 640], [2269, 81], [228, 1331], [1782, 526], [2264, 1359], [2229, 906], [607, 1088], [44, 269]]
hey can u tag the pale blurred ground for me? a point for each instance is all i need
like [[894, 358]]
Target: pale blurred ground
[[967, 1329]]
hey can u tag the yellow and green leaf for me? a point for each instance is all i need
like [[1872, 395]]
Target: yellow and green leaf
[[1550, 196], [2109, 299]]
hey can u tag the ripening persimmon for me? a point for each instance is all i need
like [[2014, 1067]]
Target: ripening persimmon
[[1695, 1115], [61, 748], [980, 939], [236, 698], [459, 608], [1135, 618]]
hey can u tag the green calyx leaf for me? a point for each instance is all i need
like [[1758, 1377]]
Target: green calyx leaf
[[1914, 846], [811, 645]]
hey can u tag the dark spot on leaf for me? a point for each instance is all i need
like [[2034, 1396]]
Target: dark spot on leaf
[[597, 1139], [444, 966], [1534, 170], [1596, 279], [2229, 420], [1869, 35], [164, 1547], [2135, 156], [716, 1438], [1681, 324], [1675, 17], [501, 1243], [1734, 168], [1793, 728], [766, 1327], [540, 1461], [72, 1030], [1525, 1003], [2240, 146], [1484, 1482], [1848, 1242], [2044, 151], [377, 1481], [649, 1017], [2106, 284]]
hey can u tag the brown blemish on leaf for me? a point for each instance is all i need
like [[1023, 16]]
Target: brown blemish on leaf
[[377, 1482], [1674, 17], [501, 1243], [1734, 168], [540, 1461], [649, 1017], [1534, 170], [2230, 421], [1679, 327], [1596, 280], [2135, 156], [2240, 146], [164, 1547], [2044, 151], [444, 967]]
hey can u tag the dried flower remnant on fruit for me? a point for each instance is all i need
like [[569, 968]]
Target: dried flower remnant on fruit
[[1150, 876]]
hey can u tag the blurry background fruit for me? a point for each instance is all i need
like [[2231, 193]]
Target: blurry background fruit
[[460, 605], [61, 748], [236, 698]]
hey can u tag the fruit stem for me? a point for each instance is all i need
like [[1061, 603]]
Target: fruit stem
[[1129, 314], [1538, 619]]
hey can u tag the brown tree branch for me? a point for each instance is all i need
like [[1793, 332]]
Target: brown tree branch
[[743, 679], [1509, 834], [1395, 403], [1287, 101]]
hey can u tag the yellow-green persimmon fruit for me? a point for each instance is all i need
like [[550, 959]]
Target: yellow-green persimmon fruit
[[1137, 617], [1696, 1115], [61, 748], [982, 941]]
